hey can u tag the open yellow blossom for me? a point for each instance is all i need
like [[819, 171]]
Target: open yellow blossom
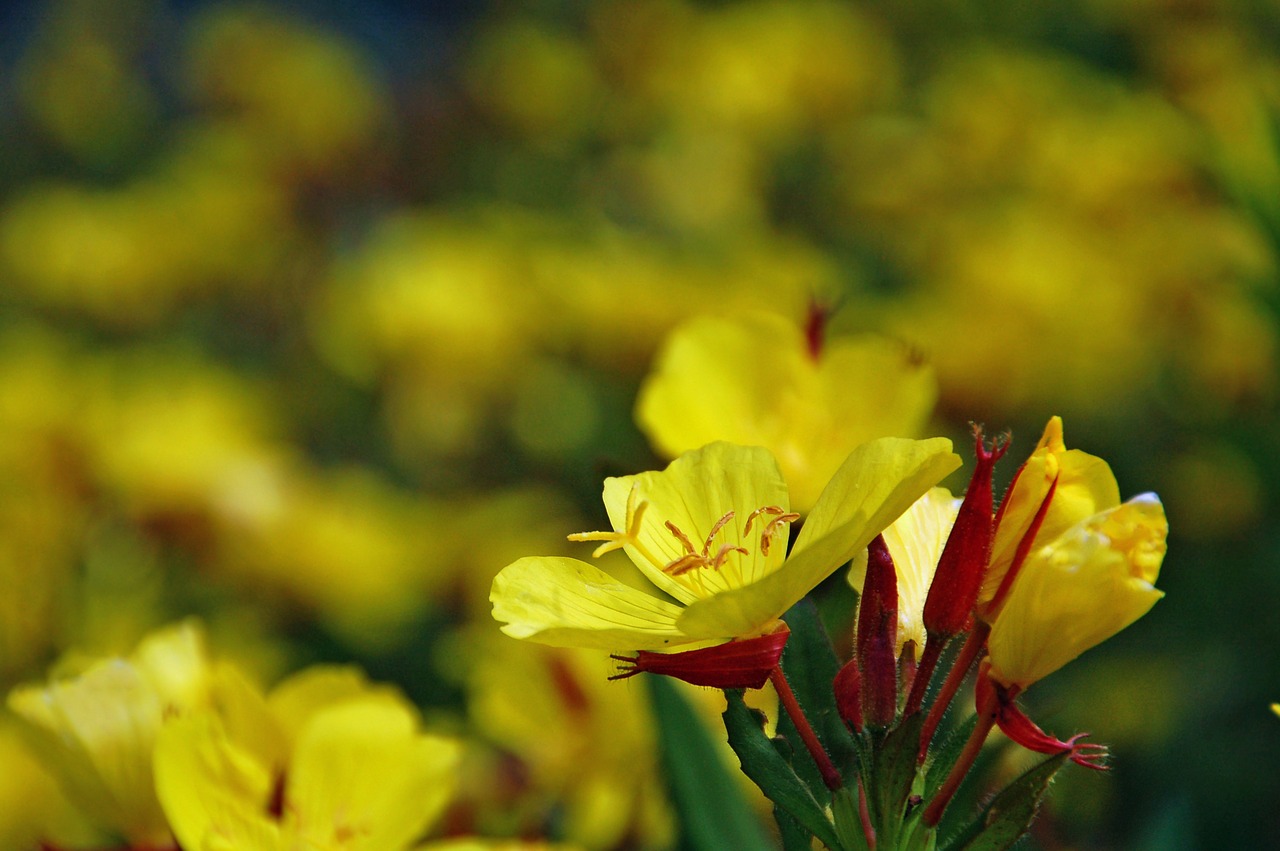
[[327, 761], [710, 534], [97, 732], [1089, 583], [915, 541], [758, 381]]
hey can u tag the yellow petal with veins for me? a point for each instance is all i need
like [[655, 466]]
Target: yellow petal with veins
[[695, 493], [569, 603], [877, 483], [214, 793]]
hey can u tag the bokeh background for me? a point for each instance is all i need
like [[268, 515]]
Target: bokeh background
[[315, 315]]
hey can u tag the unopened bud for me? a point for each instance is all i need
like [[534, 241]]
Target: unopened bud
[[877, 637], [848, 688]]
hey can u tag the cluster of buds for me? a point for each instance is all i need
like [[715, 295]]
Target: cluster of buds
[[1061, 566]]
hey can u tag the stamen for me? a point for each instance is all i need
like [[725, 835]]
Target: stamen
[[715, 530], [693, 559], [724, 552], [618, 540], [772, 527]]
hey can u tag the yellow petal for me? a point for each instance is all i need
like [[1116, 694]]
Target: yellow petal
[[97, 731], [1085, 487], [295, 700], [1079, 590], [716, 379], [752, 381], [569, 603], [878, 481], [363, 777], [214, 793], [915, 541], [695, 493]]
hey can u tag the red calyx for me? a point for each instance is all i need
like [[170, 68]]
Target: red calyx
[[1015, 724], [744, 663], [958, 579]]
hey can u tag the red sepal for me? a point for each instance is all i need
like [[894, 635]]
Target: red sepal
[[963, 562], [743, 663], [1014, 723]]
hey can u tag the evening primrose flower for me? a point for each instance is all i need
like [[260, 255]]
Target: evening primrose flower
[[761, 380], [326, 761], [97, 732], [710, 534]]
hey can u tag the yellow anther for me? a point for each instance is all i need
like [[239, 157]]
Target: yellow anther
[[693, 559], [771, 528]]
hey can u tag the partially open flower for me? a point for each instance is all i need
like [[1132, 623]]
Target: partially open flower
[[1079, 589]]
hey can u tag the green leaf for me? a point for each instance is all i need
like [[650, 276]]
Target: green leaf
[[794, 835], [713, 812], [767, 769], [1010, 814], [810, 664]]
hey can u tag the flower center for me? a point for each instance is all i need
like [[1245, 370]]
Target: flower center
[[692, 560]]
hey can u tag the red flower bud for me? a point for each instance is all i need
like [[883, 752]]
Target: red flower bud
[[958, 579], [744, 663], [877, 637], [848, 688]]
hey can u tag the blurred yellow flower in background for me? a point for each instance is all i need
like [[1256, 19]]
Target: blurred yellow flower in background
[[584, 744], [758, 381], [326, 760], [96, 731]]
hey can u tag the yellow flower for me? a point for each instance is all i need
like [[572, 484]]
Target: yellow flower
[[915, 541], [97, 731], [709, 534], [1089, 583], [755, 381], [326, 762]]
